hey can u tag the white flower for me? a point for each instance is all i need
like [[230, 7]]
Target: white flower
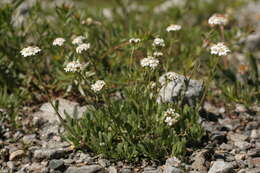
[[58, 42], [173, 28], [171, 76], [171, 117], [149, 62], [157, 54], [30, 51], [152, 85], [74, 66], [82, 47], [218, 19], [135, 40], [98, 85], [158, 42], [78, 40], [219, 49]]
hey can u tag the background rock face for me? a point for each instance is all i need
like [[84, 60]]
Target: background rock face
[[180, 86]]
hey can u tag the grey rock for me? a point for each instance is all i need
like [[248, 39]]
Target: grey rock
[[221, 167], [199, 161], [84, 169], [253, 41], [254, 134], [170, 169], [10, 165], [230, 124], [54, 153], [173, 161], [103, 162], [48, 114], [28, 139], [191, 89], [226, 147], [56, 164], [151, 170], [125, 170], [242, 145], [236, 137]]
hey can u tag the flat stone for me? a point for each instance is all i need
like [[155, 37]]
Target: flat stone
[[56, 164], [235, 137], [16, 154], [54, 153], [28, 139], [221, 167], [84, 169], [48, 114], [242, 145]]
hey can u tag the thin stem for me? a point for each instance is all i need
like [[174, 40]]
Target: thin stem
[[211, 75], [223, 40]]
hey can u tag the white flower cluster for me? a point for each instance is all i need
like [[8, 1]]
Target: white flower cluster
[[78, 40], [30, 51], [98, 85], [171, 76], [173, 28], [74, 66], [82, 47], [171, 117], [158, 42], [219, 49], [157, 54], [135, 40], [218, 19], [58, 42], [150, 62]]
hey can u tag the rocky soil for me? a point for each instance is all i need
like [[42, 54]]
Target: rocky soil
[[232, 144]]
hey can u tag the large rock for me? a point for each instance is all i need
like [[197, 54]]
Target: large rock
[[175, 85], [221, 167], [47, 113]]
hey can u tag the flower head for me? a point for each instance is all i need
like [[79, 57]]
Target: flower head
[[158, 42], [218, 19], [58, 42], [98, 85], [171, 117], [78, 40], [74, 66], [219, 49], [150, 62], [171, 76], [157, 54], [135, 40], [173, 28], [30, 51], [82, 47]]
